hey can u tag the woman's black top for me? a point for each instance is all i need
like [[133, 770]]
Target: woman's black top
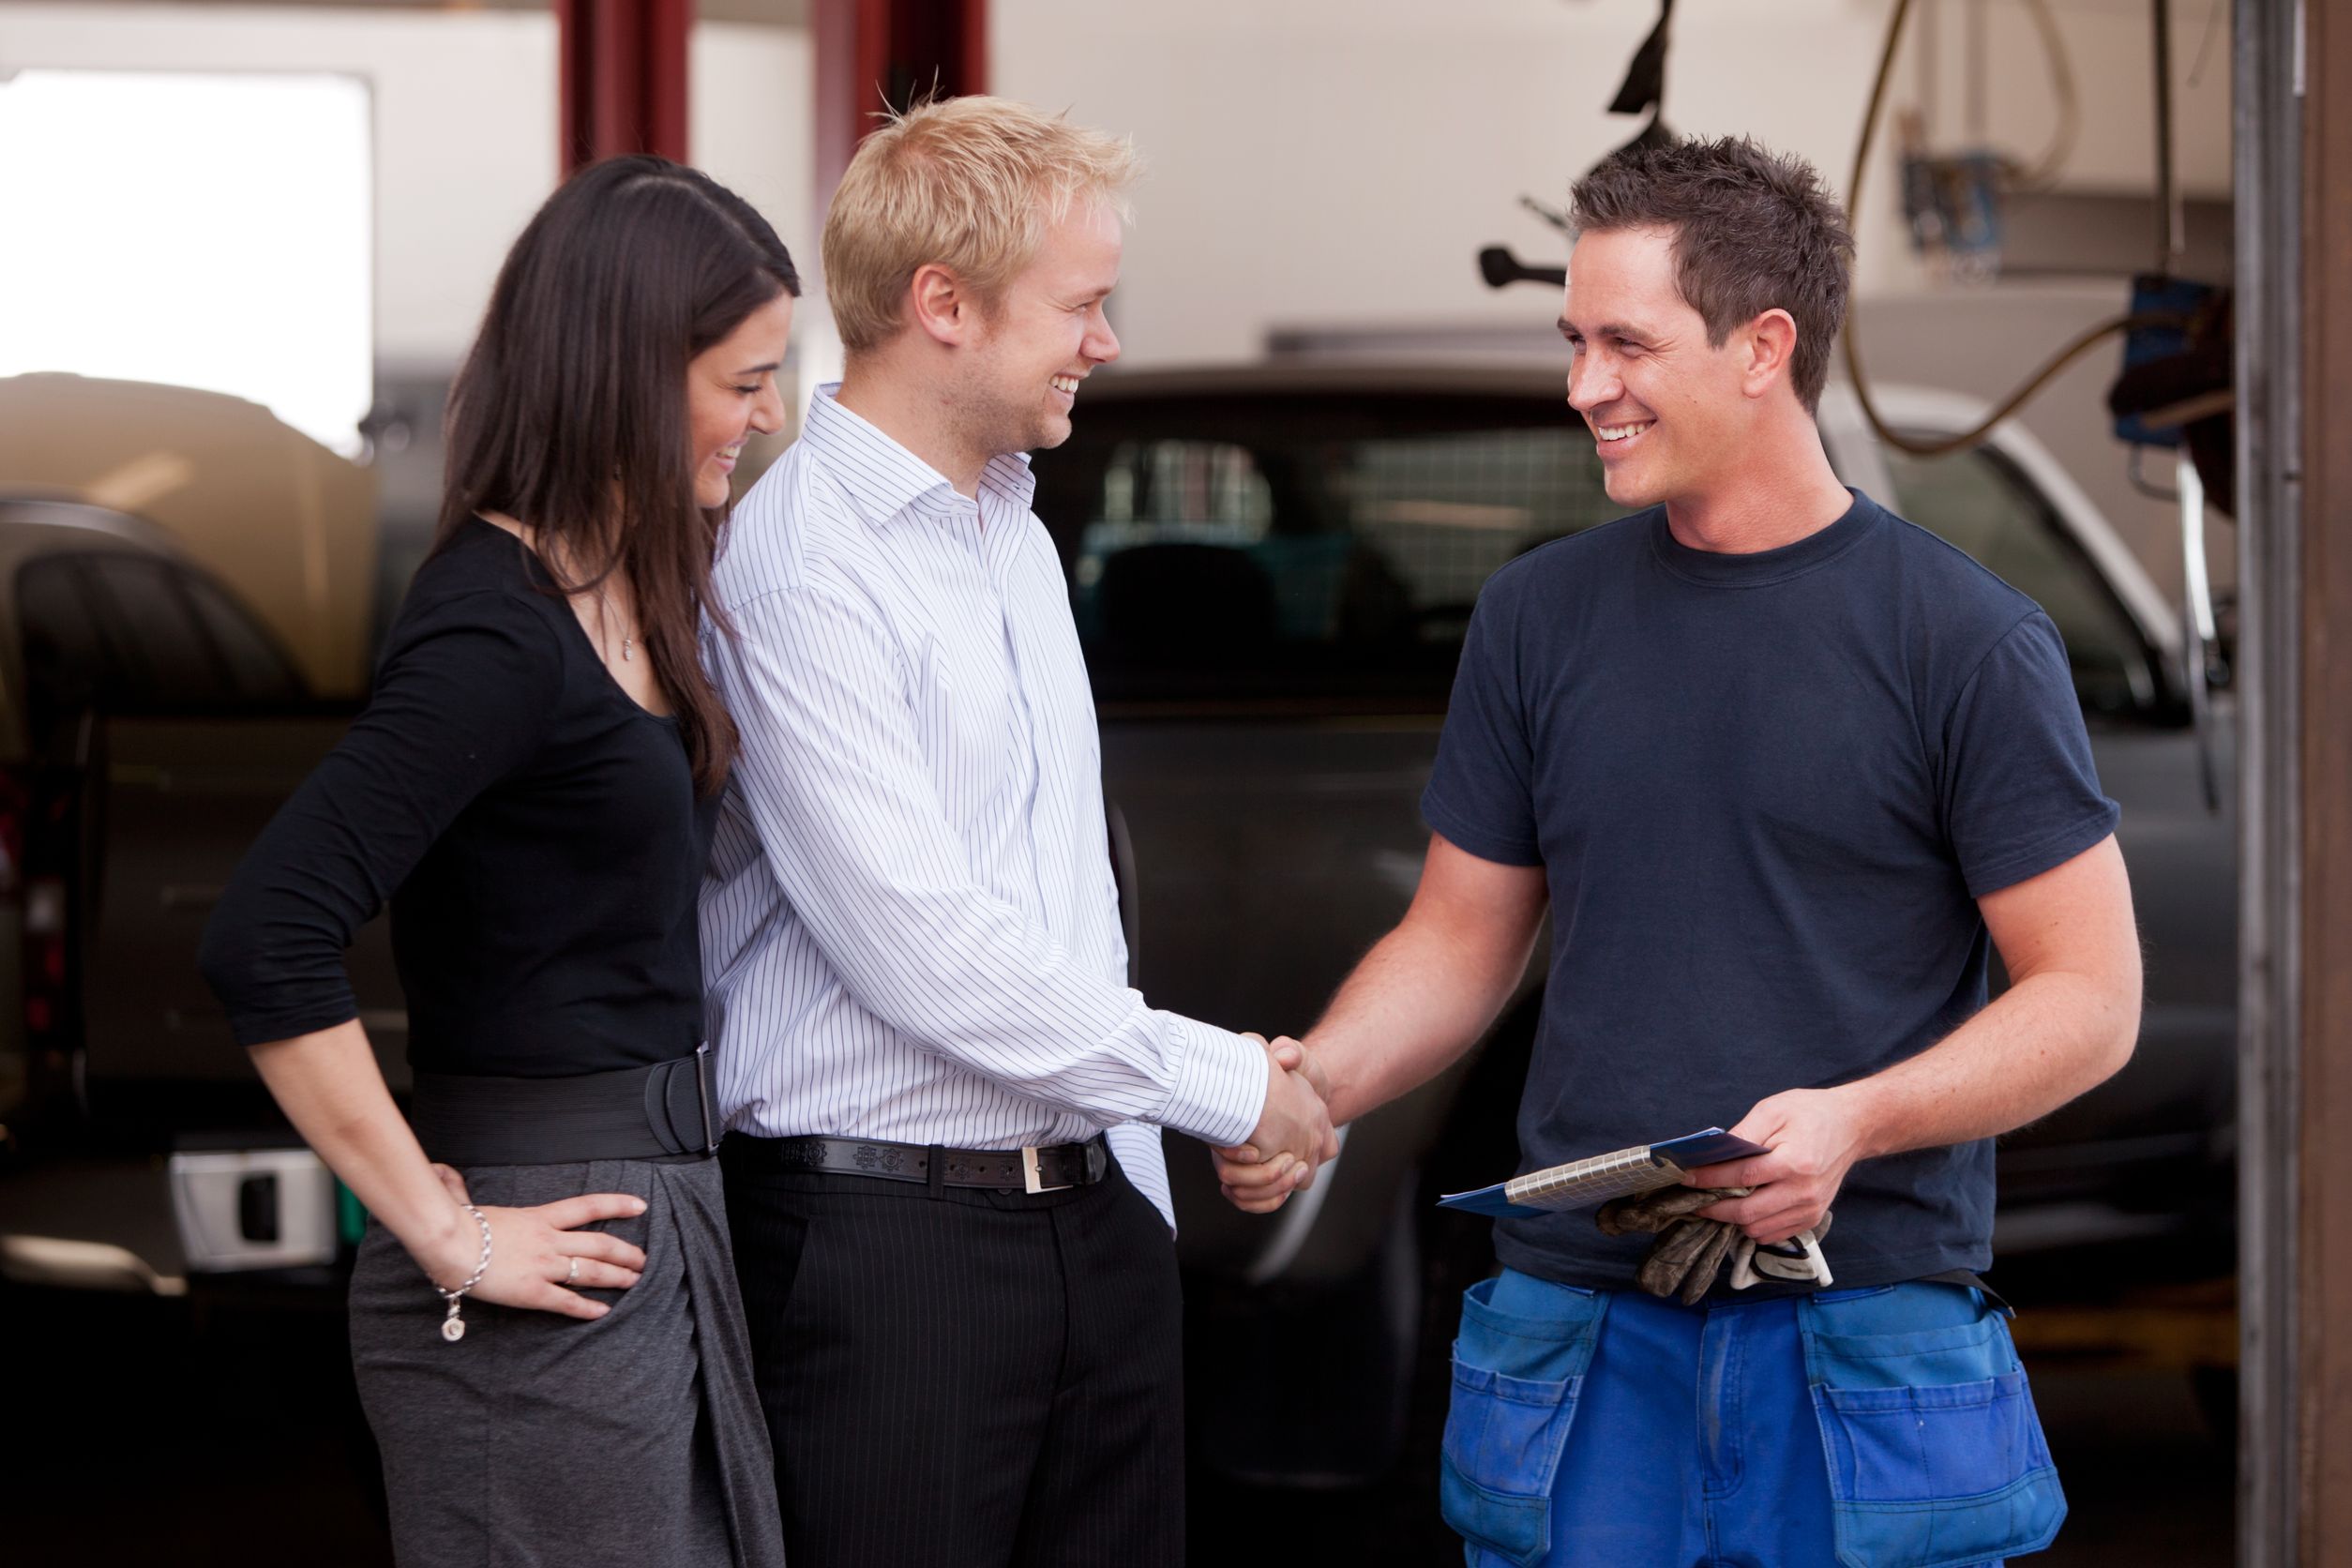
[[535, 830]]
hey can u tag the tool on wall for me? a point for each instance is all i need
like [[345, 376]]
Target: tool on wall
[[1953, 200], [1642, 92], [2081, 344]]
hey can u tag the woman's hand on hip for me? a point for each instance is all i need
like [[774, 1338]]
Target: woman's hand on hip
[[540, 1258]]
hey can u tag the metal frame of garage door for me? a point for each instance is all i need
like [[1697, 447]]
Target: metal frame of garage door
[[2293, 103]]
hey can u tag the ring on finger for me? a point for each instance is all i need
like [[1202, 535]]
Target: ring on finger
[[572, 1274]]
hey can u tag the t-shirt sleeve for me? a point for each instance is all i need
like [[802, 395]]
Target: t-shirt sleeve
[[2020, 793], [465, 696], [1480, 794]]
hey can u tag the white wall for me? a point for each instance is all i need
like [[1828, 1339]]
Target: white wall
[[465, 125], [464, 108], [750, 128], [1317, 162]]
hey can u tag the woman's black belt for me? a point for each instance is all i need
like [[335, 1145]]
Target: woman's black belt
[[636, 1113]]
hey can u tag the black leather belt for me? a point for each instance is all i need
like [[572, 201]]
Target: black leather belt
[[635, 1113], [1033, 1170]]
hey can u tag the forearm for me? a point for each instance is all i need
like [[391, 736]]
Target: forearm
[[2042, 1041], [1422, 997], [2068, 1021], [330, 1087], [960, 975], [2048, 1038]]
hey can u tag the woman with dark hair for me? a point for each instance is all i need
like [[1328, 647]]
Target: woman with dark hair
[[544, 1320]]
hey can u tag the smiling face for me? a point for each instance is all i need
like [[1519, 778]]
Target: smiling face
[[1670, 415], [731, 391], [1042, 338]]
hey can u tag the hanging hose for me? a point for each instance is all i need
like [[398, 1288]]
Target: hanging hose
[[2074, 350], [2070, 109]]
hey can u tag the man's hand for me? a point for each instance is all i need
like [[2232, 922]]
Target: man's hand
[[1280, 1158], [1814, 1136]]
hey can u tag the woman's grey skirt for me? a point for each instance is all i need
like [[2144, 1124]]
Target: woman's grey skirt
[[540, 1439]]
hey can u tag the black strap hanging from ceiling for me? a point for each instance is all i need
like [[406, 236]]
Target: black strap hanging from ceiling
[[1643, 87], [1645, 79]]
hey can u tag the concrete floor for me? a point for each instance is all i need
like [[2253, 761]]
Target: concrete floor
[[137, 1432]]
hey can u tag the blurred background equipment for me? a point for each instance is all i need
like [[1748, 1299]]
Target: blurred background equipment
[[1644, 87], [1953, 198]]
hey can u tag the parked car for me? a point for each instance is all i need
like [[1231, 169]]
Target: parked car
[[184, 585], [1271, 569]]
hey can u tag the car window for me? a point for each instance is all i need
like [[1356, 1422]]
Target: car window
[[165, 660], [257, 670], [1978, 501], [1328, 545], [136, 633], [68, 665], [1303, 548]]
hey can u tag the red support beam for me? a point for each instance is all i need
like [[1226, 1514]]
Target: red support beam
[[872, 52], [623, 64], [975, 45]]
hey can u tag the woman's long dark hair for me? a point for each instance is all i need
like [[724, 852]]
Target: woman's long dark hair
[[569, 413]]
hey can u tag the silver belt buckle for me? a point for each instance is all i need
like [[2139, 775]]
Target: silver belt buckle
[[1030, 1179]]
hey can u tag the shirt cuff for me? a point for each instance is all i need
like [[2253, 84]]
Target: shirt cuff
[[1221, 1083]]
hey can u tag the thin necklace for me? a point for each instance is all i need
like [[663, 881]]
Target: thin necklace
[[604, 612]]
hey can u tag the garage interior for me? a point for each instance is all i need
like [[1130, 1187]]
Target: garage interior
[[1324, 177]]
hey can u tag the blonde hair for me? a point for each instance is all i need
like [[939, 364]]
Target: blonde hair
[[971, 184]]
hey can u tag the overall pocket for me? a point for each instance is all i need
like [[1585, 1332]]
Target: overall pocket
[[1516, 1376], [1935, 1457]]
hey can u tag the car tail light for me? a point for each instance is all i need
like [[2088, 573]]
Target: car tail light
[[44, 956], [35, 826]]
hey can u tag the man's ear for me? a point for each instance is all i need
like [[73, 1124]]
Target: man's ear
[[941, 306], [1772, 350]]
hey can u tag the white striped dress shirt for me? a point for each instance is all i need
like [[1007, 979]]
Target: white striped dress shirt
[[911, 930]]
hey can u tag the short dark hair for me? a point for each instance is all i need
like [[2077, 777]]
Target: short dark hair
[[1754, 230], [569, 410]]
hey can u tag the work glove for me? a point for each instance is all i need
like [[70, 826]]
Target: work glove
[[1690, 1252], [1796, 1259]]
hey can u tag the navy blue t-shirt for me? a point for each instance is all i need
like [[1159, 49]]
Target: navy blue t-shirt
[[1765, 790]]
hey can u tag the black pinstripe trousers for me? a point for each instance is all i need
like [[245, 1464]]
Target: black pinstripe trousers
[[964, 1377]]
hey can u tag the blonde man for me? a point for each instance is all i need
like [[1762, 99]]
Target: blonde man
[[951, 1218]]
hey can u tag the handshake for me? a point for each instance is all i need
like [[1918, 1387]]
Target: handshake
[[1294, 1133]]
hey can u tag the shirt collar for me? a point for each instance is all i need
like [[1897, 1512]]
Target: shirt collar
[[882, 477]]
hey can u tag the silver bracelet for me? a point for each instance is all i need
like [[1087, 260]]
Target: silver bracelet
[[453, 1326]]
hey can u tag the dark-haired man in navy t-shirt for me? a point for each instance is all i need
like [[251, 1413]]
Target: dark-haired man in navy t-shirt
[[1784, 769]]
